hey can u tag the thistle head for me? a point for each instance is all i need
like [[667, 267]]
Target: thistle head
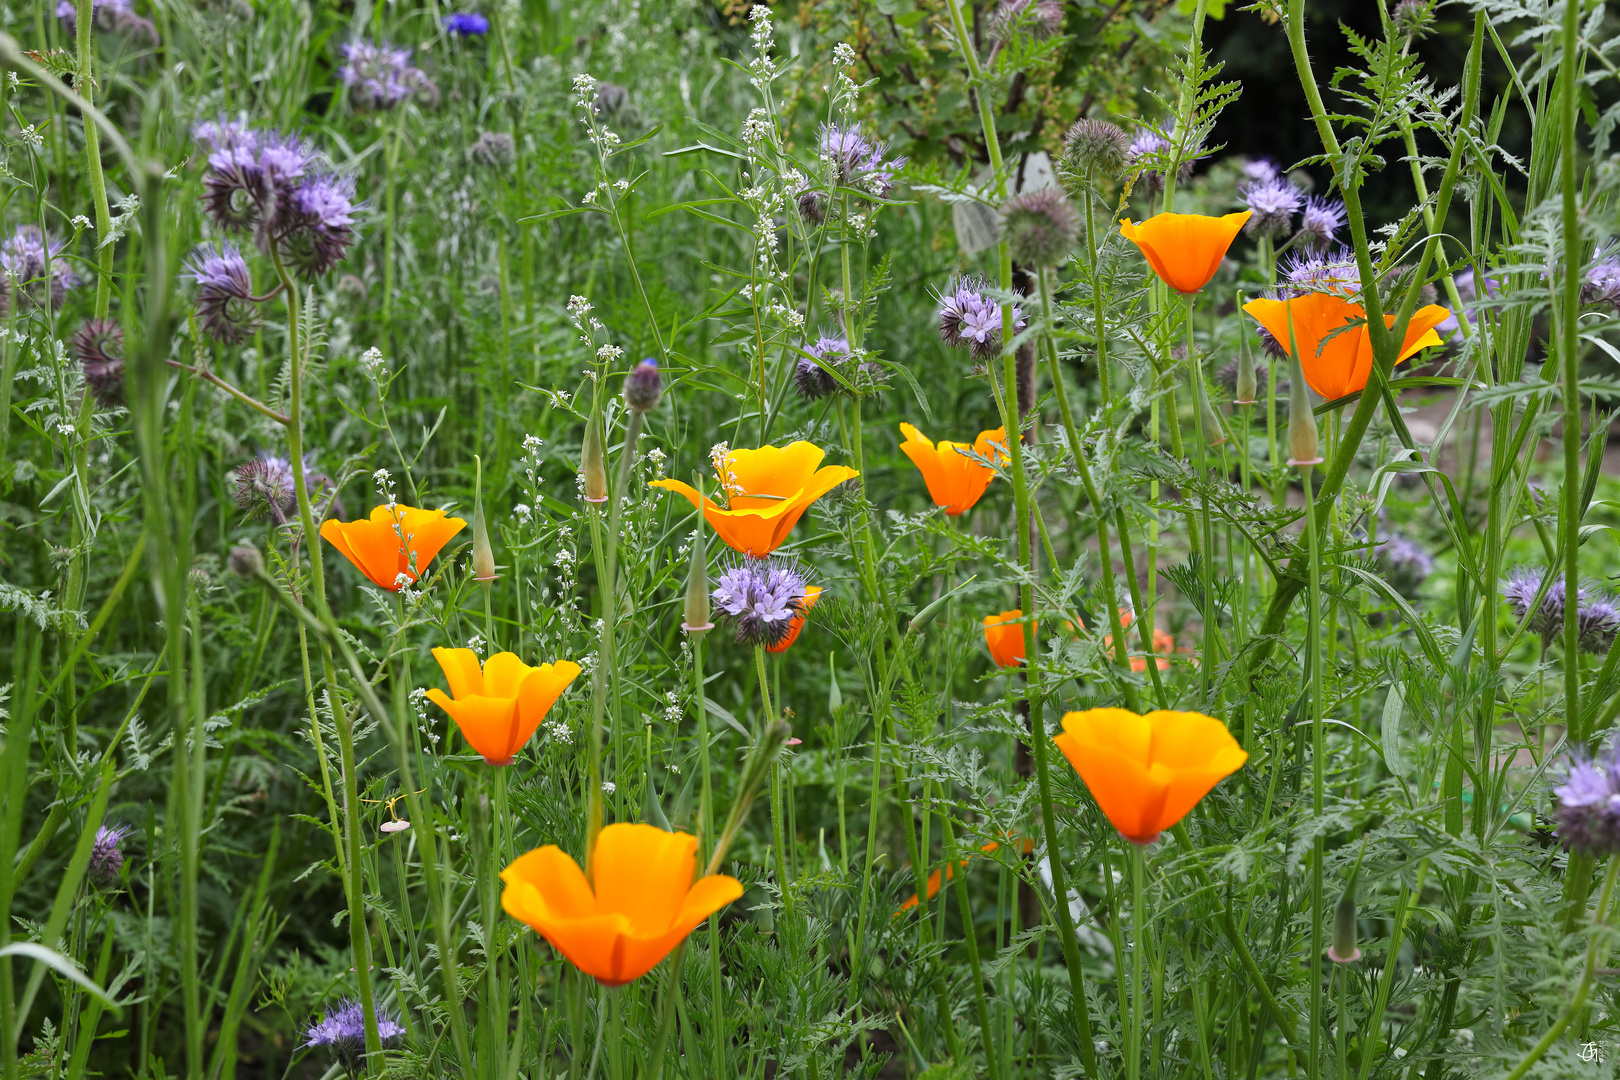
[[1041, 227]]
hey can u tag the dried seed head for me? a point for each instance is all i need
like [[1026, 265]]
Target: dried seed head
[[1095, 148]]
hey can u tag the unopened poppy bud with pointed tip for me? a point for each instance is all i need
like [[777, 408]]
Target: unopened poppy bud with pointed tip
[[643, 386], [1304, 444], [594, 464], [483, 553], [1247, 385], [1343, 950], [697, 613], [1214, 431]]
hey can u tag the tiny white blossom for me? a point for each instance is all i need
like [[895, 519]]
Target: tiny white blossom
[[609, 353], [476, 643], [843, 54], [609, 787], [81, 222]]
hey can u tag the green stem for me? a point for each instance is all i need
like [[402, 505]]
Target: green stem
[[1569, 344], [971, 938], [1313, 652]]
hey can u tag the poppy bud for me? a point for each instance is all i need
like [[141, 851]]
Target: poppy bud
[[594, 464], [1303, 442], [483, 554], [1214, 432], [642, 387], [1343, 950], [1247, 385], [697, 619]]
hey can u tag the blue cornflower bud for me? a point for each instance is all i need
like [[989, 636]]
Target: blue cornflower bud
[[643, 387], [466, 24]]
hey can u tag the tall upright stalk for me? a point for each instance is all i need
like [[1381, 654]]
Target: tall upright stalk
[[1569, 345]]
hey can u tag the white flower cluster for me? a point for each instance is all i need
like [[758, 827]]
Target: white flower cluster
[[764, 40], [585, 90], [523, 513], [721, 458], [657, 456], [561, 732], [843, 54], [476, 644], [372, 361], [672, 707], [609, 353], [758, 128]]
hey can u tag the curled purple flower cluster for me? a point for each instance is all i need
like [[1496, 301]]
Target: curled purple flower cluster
[[760, 597], [970, 319], [107, 853], [1146, 153], [1597, 616], [109, 16], [858, 161], [1589, 804], [1602, 284], [1273, 204], [271, 186], [343, 1029], [380, 76], [24, 256], [1406, 564], [810, 378], [265, 487], [98, 346]]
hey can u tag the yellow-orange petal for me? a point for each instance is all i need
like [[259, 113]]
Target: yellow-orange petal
[[643, 873], [461, 670], [1004, 636], [779, 471], [487, 723], [1185, 250], [812, 593], [374, 551]]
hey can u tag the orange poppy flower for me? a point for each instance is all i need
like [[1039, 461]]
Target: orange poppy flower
[[770, 489], [1147, 771], [955, 481], [1341, 364], [497, 707], [933, 879], [1004, 634], [1185, 250], [643, 902], [375, 546], [812, 593], [1163, 642]]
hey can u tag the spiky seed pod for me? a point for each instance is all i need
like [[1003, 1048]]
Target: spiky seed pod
[[1041, 227], [643, 387], [813, 206], [1095, 148], [98, 345]]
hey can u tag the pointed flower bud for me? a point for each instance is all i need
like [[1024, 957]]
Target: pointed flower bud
[[483, 553], [643, 386], [594, 464], [1304, 444], [1343, 950], [697, 619], [1247, 385]]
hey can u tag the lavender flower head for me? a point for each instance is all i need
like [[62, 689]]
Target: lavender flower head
[[1589, 804], [1406, 564], [761, 596], [107, 853], [970, 319], [344, 1030], [109, 16], [251, 174], [1320, 222], [1257, 171], [24, 256], [226, 308], [1146, 154], [858, 161], [810, 378], [1602, 284], [265, 486], [1274, 203], [317, 227], [1597, 616], [380, 76], [1597, 620], [466, 24]]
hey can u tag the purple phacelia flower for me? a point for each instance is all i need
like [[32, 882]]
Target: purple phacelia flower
[[1256, 171], [380, 76], [1406, 565], [107, 853], [109, 16], [812, 379], [1147, 154], [265, 486], [1320, 222], [858, 161], [317, 227], [98, 346], [1597, 619], [1597, 616], [1589, 804], [1602, 284], [343, 1029], [970, 319], [226, 306], [250, 175], [760, 597], [1273, 204], [466, 24], [24, 256]]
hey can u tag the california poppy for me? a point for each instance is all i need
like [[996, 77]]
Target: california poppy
[[1339, 364], [1185, 250], [642, 902], [1004, 634], [955, 481], [381, 546], [1163, 642], [499, 706], [768, 490], [1147, 771], [812, 593], [932, 886]]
